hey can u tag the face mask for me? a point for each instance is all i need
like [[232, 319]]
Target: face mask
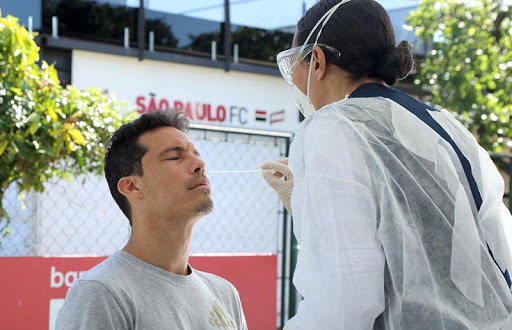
[[303, 102]]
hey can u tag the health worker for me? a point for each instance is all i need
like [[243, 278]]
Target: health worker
[[397, 209]]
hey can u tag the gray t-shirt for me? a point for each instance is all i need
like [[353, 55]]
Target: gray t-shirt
[[124, 292]]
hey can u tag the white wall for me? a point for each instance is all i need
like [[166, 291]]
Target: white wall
[[241, 94]]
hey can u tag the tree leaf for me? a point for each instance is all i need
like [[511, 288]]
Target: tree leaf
[[77, 136], [33, 128], [3, 145], [473, 53]]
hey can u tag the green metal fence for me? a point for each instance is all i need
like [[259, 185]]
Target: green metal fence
[[504, 164]]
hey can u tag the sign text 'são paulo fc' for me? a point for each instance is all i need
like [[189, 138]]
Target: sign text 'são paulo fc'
[[209, 112]]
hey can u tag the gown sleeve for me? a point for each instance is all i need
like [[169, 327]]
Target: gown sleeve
[[340, 269]]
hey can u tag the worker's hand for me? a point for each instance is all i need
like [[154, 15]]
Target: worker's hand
[[275, 180]]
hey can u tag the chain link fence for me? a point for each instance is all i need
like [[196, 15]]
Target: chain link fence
[[81, 218]]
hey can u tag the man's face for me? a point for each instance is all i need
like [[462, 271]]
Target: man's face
[[173, 183]]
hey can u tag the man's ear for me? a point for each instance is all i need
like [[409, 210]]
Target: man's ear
[[319, 63], [129, 186]]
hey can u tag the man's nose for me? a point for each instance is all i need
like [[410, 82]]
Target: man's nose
[[199, 165]]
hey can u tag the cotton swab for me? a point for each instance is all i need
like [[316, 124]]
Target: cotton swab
[[242, 171]]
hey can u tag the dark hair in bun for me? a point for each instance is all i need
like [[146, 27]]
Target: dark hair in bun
[[362, 32]]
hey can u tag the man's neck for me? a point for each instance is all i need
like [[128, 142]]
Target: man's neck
[[162, 244]]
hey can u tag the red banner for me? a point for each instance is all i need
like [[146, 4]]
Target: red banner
[[32, 289]]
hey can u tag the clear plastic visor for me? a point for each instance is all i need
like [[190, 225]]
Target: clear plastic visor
[[288, 60]]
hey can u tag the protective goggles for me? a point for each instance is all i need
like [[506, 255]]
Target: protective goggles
[[288, 60]]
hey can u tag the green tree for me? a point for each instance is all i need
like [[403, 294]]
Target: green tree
[[468, 68], [46, 130]]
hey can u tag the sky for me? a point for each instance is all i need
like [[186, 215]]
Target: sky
[[267, 14]]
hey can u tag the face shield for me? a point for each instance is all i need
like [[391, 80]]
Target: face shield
[[288, 61]]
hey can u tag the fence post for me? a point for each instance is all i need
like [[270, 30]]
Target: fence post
[[510, 183], [292, 300], [151, 41], [30, 25], [294, 251], [235, 53], [33, 249], [141, 27], [55, 27], [126, 37], [214, 50], [227, 36], [283, 268]]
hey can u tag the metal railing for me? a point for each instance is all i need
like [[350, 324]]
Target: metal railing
[[144, 28]]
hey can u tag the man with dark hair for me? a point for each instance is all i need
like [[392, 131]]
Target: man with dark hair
[[156, 176]]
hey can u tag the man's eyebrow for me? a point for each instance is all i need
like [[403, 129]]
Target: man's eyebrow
[[178, 149], [171, 149]]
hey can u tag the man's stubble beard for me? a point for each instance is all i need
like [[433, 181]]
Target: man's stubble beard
[[205, 207]]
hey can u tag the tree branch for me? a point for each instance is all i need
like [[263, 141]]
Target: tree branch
[[497, 24]]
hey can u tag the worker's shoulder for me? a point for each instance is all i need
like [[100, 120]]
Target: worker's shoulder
[[332, 117], [354, 109]]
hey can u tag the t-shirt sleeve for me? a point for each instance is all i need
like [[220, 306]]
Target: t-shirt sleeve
[[90, 305], [241, 317]]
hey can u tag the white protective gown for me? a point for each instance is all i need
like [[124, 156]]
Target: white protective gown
[[397, 211]]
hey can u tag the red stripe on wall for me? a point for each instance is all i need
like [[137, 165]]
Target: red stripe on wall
[[25, 285]]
